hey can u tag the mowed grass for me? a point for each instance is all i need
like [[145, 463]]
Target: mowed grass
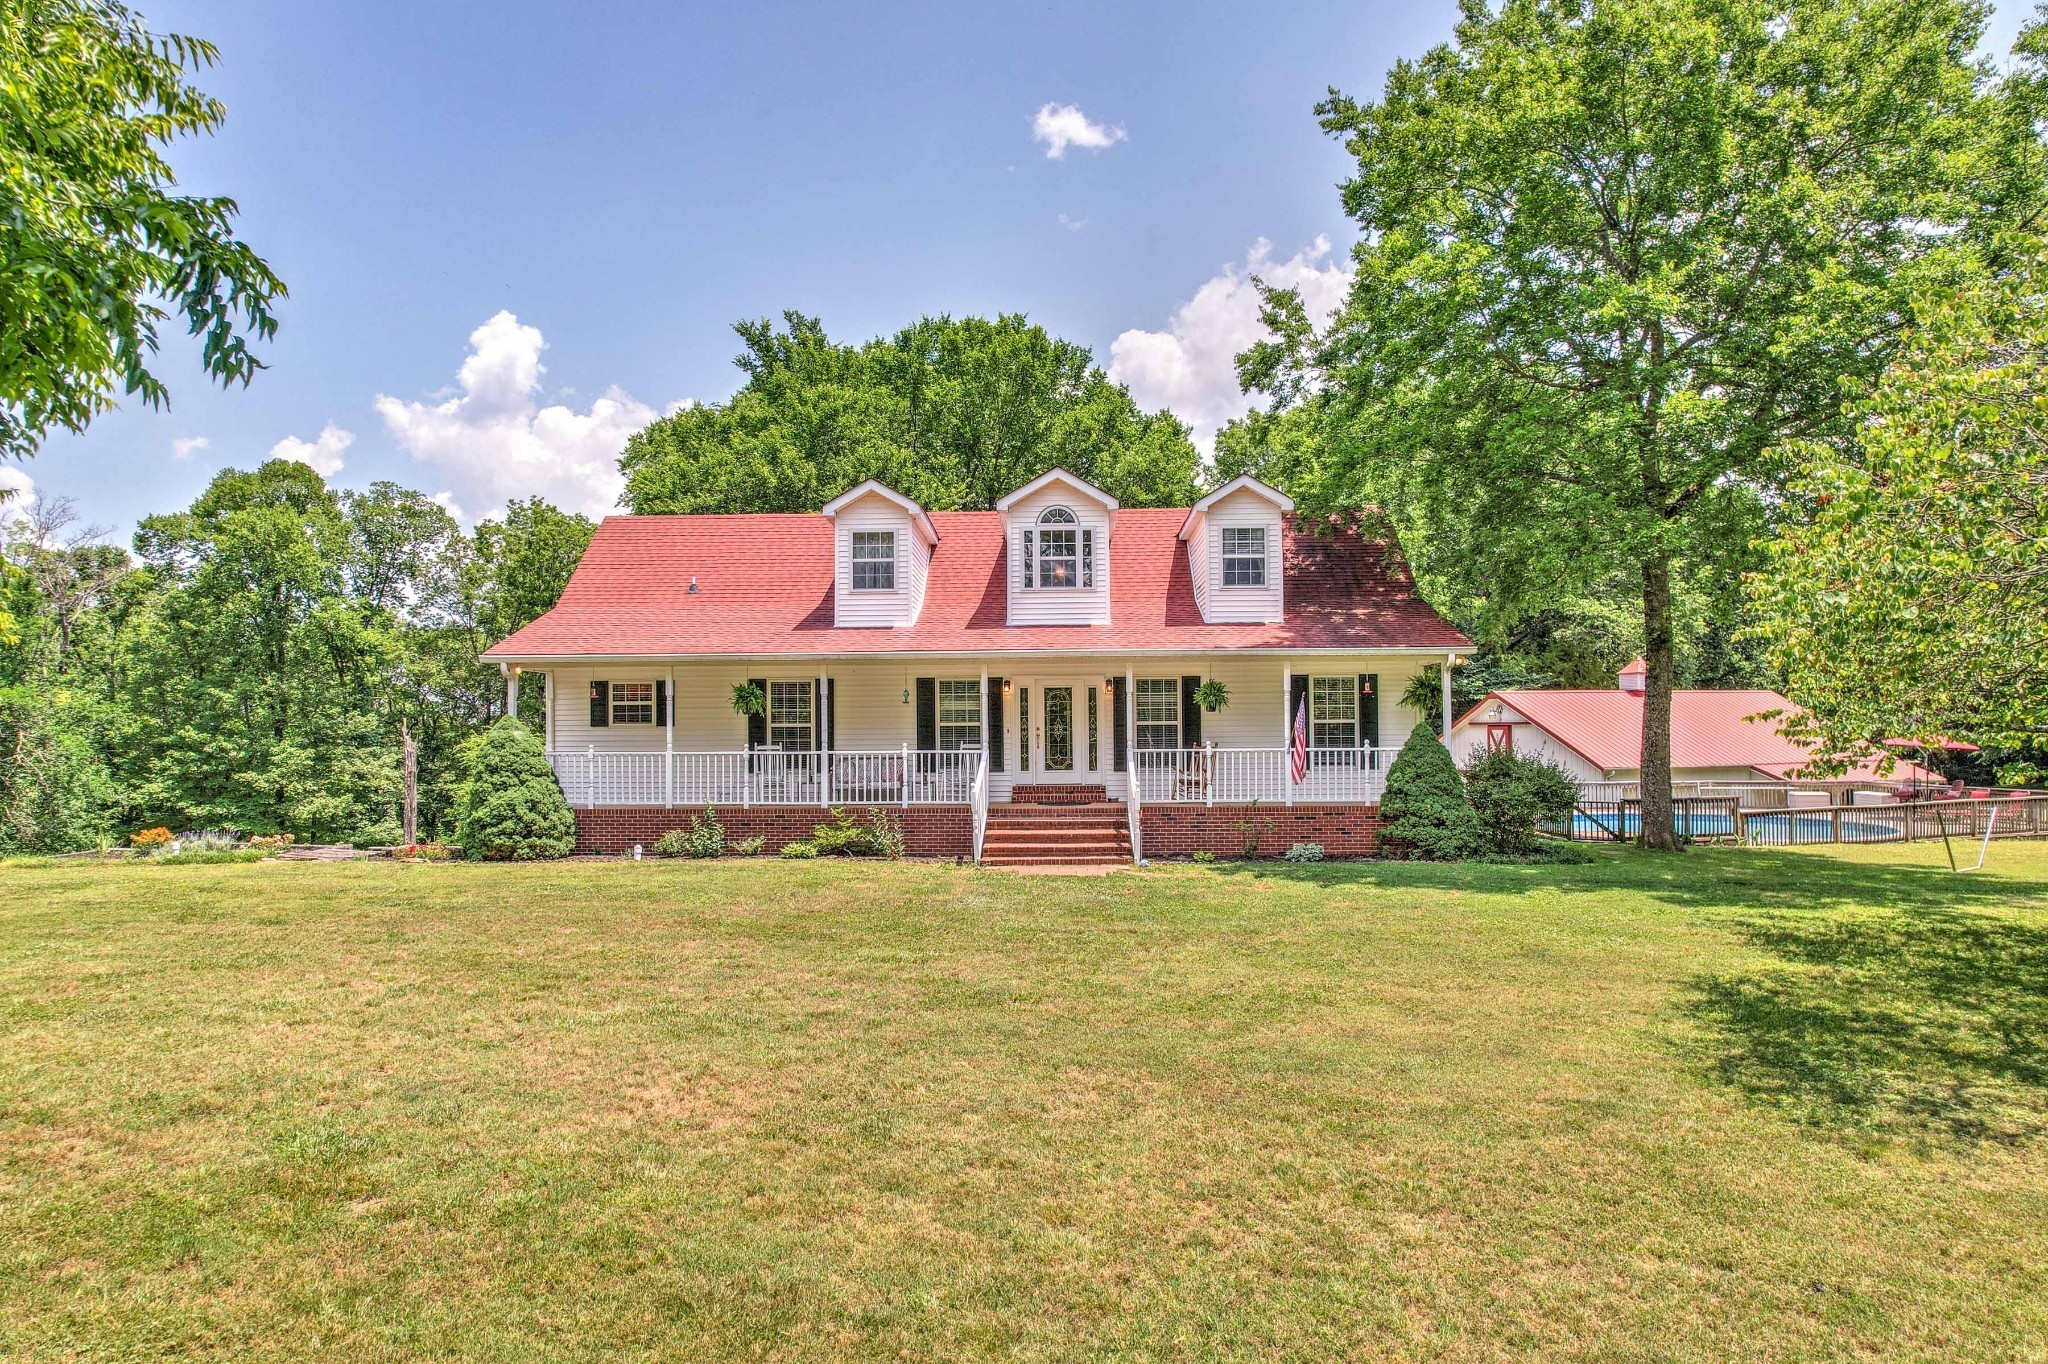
[[1734, 1105]]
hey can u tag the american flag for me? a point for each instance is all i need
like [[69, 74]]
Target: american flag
[[1299, 758]]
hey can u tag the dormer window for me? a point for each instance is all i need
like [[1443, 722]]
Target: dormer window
[[1065, 553], [1244, 556], [874, 561]]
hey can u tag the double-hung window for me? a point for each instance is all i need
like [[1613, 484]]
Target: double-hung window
[[1333, 712], [959, 715], [1158, 712], [632, 703], [1059, 548], [874, 561], [1244, 556], [789, 716]]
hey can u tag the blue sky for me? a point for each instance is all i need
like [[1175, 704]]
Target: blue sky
[[626, 180]]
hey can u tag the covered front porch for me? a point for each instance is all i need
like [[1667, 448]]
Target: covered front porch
[[954, 732]]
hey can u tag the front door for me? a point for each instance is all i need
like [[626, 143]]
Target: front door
[[1056, 730]]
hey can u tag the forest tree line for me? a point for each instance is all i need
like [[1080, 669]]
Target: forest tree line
[[251, 663]]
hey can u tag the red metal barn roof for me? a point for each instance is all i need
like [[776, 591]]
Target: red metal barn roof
[[765, 588], [1708, 729]]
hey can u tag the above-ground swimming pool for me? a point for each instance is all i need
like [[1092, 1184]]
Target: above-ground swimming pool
[[1773, 827]]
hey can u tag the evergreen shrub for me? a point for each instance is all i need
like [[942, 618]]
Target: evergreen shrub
[[1424, 812], [512, 809]]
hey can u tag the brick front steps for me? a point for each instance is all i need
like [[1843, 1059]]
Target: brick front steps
[[1058, 795], [1056, 834]]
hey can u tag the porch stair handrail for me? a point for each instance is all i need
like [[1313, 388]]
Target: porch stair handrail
[[979, 801], [1134, 813]]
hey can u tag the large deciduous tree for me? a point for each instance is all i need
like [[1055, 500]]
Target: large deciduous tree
[[1911, 598], [1616, 254], [96, 247], [952, 412]]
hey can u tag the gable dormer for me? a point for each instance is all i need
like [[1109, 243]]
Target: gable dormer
[[1057, 528], [881, 556], [1234, 541]]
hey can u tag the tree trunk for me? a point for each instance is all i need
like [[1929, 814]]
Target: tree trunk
[[412, 785], [1655, 784]]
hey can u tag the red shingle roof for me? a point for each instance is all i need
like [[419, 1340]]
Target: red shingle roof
[[765, 589]]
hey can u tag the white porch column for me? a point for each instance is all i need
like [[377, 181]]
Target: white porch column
[[547, 700], [1449, 659], [1286, 733], [824, 744], [1131, 727], [668, 762], [511, 689], [981, 717]]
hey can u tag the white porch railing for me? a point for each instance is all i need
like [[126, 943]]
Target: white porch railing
[[1209, 775], [904, 776], [978, 798]]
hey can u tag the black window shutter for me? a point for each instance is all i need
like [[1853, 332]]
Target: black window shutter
[[1027, 557], [817, 718], [927, 713], [831, 712], [995, 724], [1190, 713], [1369, 709], [1119, 740], [600, 704], [1087, 558], [1297, 692], [660, 704], [757, 725]]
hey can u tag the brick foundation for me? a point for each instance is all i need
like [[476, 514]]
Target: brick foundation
[[944, 831], [1177, 830], [947, 831]]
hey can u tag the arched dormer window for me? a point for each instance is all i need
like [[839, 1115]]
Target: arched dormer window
[[1063, 551]]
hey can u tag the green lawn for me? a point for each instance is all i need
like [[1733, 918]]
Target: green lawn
[[1735, 1105]]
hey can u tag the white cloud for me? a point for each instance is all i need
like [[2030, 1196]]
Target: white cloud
[[1060, 126], [185, 447], [322, 454], [17, 489], [1072, 224], [494, 441], [1191, 367]]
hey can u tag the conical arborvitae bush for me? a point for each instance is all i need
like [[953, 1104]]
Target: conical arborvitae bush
[[513, 809], [1424, 812]]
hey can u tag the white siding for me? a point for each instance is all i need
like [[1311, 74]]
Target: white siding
[[1468, 743], [1198, 560], [1257, 714], [1242, 509], [870, 711], [1058, 605], [899, 606]]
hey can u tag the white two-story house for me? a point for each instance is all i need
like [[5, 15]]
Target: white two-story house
[[1021, 684]]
